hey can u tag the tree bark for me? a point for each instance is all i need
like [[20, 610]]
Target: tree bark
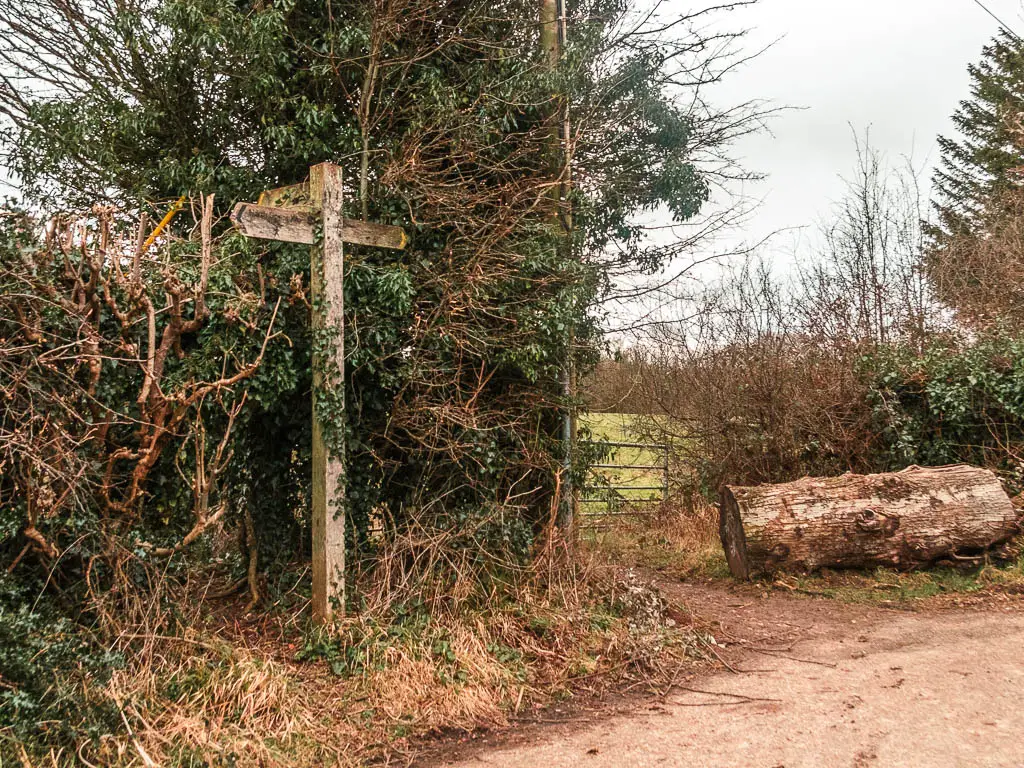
[[900, 519]]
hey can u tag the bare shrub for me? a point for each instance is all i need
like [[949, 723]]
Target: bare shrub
[[101, 393], [867, 284], [761, 381], [741, 396], [980, 274]]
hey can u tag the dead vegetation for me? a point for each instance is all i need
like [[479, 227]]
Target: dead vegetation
[[204, 687], [88, 303], [679, 540]]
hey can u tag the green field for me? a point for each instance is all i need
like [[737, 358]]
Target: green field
[[617, 427], [610, 426]]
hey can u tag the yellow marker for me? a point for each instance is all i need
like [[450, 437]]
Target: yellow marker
[[164, 222]]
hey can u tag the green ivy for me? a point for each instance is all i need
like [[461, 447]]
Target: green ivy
[[956, 402]]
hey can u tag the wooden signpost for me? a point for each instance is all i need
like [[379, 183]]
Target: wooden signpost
[[293, 214]]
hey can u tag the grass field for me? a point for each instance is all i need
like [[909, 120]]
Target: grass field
[[618, 427], [610, 426]]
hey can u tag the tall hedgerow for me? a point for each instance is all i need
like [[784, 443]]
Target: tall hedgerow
[[442, 115]]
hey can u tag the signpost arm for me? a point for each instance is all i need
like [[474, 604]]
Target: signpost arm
[[327, 266]]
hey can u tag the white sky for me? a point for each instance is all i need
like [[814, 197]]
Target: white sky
[[896, 66]]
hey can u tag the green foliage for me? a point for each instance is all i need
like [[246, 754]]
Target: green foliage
[[349, 651], [976, 166], [951, 404], [455, 347], [51, 673], [892, 587]]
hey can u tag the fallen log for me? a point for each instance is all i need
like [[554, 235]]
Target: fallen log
[[899, 519]]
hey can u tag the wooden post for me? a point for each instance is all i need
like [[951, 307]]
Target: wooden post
[[326, 283], [549, 47], [551, 17], [311, 213]]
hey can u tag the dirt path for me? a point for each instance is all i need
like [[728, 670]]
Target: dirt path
[[822, 684]]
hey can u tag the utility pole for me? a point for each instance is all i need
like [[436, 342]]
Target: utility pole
[[552, 34]]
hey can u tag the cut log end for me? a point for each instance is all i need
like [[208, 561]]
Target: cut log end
[[734, 541]]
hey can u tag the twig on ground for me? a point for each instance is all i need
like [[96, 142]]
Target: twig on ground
[[739, 696], [793, 658], [672, 682]]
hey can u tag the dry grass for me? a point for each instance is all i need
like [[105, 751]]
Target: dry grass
[[184, 700], [218, 702], [446, 641], [680, 539], [234, 689]]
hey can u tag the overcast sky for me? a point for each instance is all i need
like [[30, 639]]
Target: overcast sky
[[898, 66]]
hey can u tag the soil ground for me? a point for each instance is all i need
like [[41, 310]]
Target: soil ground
[[810, 682]]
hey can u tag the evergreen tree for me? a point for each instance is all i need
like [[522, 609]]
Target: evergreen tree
[[978, 165]]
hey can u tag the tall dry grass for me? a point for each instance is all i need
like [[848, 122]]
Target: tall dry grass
[[679, 539], [204, 683]]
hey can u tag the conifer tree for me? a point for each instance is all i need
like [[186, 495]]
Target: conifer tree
[[980, 164]]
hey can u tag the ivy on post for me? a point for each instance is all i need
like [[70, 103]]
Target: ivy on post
[[312, 213], [552, 37], [326, 287]]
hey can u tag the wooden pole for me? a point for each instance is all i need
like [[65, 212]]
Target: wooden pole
[[327, 267], [551, 30], [549, 34]]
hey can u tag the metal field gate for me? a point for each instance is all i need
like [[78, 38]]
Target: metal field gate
[[633, 481]]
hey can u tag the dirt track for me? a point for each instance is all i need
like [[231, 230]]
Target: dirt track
[[828, 685]]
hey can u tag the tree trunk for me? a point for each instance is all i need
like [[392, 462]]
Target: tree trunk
[[899, 519]]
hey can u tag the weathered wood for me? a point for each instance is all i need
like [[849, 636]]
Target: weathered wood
[[298, 225], [377, 235], [328, 494], [270, 223], [295, 196], [900, 519], [293, 214]]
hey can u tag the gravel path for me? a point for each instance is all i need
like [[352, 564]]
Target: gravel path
[[819, 684]]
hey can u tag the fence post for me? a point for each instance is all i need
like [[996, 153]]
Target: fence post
[[664, 491]]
